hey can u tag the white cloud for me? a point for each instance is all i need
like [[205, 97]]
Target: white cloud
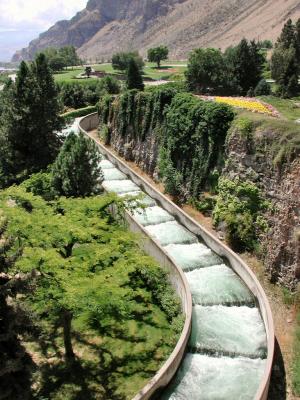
[[25, 19], [38, 12]]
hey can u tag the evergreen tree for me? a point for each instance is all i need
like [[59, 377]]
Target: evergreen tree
[[134, 79], [247, 65], [30, 119], [76, 171], [287, 37], [285, 60]]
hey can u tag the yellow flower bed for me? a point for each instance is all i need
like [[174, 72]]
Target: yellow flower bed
[[248, 104]]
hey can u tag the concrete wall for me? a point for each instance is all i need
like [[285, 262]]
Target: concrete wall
[[91, 122]]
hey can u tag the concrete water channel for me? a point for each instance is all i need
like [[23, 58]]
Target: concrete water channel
[[230, 350]]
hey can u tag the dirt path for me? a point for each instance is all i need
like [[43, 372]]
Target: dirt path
[[284, 315]]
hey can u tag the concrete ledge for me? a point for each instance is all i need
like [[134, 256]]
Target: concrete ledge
[[91, 122]]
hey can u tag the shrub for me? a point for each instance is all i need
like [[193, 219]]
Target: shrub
[[263, 88], [240, 206], [76, 172]]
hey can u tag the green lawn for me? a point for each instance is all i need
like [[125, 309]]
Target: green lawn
[[288, 108], [167, 72]]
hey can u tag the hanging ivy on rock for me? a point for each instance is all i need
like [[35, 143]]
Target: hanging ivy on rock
[[192, 144]]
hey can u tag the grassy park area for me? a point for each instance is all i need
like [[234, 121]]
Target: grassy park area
[[168, 71]]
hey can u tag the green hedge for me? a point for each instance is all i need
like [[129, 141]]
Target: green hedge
[[81, 112]]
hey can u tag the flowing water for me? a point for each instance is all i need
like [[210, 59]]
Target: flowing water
[[105, 164], [113, 174], [228, 330], [171, 232], [192, 256], [218, 285], [152, 216], [201, 377], [121, 186], [227, 347]]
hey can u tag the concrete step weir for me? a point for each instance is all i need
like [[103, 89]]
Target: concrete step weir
[[228, 353]]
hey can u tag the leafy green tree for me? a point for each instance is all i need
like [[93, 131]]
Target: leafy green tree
[[157, 54], [76, 171], [15, 362], [90, 275], [120, 61], [205, 71], [134, 79], [61, 58], [88, 71]]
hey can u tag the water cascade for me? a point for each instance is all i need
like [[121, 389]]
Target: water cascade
[[227, 350]]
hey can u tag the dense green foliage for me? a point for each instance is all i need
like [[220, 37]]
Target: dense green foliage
[[286, 59], [76, 170], [120, 61], [15, 362], [239, 208], [134, 79], [81, 112], [189, 132], [89, 280], [62, 57], [157, 54], [236, 71], [29, 121], [263, 88], [192, 144], [206, 70], [75, 95]]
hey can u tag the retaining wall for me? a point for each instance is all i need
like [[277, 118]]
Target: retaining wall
[[91, 122]]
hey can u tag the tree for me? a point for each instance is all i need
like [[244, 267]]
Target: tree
[[157, 54], [76, 170], [88, 71], [30, 118], [245, 62], [15, 362], [62, 57], [120, 61], [134, 79], [285, 60], [263, 88], [287, 36], [205, 71]]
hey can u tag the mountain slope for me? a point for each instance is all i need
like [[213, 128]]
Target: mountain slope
[[107, 26]]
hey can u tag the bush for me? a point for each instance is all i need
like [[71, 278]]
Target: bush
[[76, 171], [240, 206], [79, 113], [155, 280], [40, 184], [263, 88]]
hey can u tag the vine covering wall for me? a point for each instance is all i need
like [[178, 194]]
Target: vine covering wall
[[175, 137]]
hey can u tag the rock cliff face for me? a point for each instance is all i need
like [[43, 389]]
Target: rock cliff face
[[250, 157], [107, 26]]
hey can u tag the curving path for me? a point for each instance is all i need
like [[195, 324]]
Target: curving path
[[229, 355]]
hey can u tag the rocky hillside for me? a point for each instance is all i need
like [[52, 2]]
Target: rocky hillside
[[262, 152], [106, 26]]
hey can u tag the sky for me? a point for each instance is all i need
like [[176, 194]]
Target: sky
[[23, 20]]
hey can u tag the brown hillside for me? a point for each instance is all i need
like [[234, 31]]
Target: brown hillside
[[106, 26]]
